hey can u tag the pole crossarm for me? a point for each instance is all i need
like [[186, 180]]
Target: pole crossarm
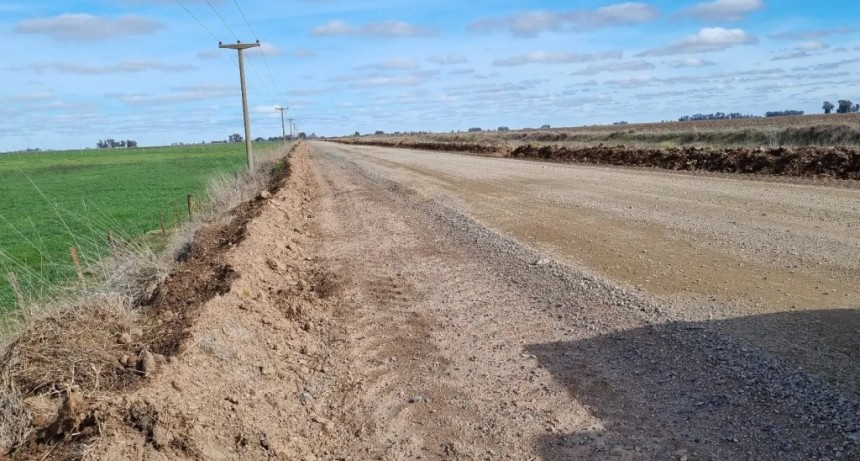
[[238, 46]]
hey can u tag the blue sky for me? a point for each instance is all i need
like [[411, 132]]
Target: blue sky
[[79, 71]]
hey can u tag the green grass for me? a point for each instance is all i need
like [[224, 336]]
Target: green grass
[[52, 201]]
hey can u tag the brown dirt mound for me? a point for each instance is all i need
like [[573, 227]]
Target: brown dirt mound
[[841, 163], [472, 148], [833, 162]]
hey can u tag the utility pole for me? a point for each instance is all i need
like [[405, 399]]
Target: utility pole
[[283, 129], [291, 128], [241, 47]]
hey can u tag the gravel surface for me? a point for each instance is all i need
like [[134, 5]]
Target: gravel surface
[[468, 332], [773, 264]]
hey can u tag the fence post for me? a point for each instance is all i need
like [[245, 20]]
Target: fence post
[[190, 207], [178, 214], [74, 253]]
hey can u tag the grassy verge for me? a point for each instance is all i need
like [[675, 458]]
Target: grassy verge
[[100, 202]]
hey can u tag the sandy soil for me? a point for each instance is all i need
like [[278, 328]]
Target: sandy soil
[[398, 305]]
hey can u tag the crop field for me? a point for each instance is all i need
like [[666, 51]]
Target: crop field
[[794, 131], [52, 201]]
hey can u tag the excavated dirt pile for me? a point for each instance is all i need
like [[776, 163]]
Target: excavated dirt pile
[[472, 148], [832, 162], [840, 163]]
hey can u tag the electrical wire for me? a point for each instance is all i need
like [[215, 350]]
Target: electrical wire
[[222, 20], [269, 93], [209, 31], [196, 19]]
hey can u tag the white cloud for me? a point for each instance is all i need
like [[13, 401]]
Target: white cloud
[[178, 94], [813, 46], [210, 54], [392, 64], [448, 59], [620, 66], [706, 40], [722, 10], [386, 29], [812, 34], [529, 24], [87, 28], [303, 53], [30, 97], [543, 57], [799, 54], [118, 68], [802, 51], [378, 82], [265, 48], [689, 62]]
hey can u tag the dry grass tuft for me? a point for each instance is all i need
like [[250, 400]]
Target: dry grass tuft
[[75, 346], [14, 414]]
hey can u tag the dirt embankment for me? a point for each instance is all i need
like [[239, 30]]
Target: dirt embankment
[[239, 313], [832, 162]]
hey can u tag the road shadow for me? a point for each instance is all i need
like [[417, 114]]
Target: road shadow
[[700, 391]]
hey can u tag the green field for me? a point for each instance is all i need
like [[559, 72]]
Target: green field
[[52, 201]]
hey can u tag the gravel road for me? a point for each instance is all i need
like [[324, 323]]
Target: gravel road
[[502, 309]]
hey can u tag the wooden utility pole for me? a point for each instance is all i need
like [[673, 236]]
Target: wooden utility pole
[[291, 128], [283, 128], [241, 47]]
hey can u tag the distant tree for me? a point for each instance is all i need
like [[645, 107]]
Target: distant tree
[[504, 128], [379, 133], [828, 107], [475, 130], [357, 134], [620, 123], [545, 127], [313, 136], [856, 107], [302, 135], [783, 113], [131, 143], [845, 107], [716, 116], [235, 137], [259, 139]]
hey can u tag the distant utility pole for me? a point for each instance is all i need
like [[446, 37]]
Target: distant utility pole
[[241, 47], [291, 127], [283, 129]]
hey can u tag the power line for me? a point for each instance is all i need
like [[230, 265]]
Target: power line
[[253, 67], [265, 61], [222, 20], [254, 87], [196, 19]]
